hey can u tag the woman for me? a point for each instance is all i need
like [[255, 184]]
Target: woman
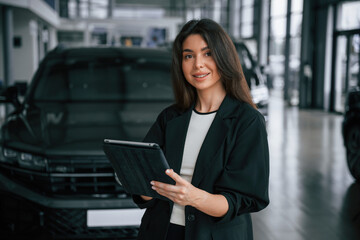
[[215, 141]]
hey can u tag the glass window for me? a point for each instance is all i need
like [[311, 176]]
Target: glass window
[[197, 13], [277, 46], [277, 68], [127, 12], [147, 81], [72, 9], [247, 19], [81, 79], [296, 23], [278, 27], [349, 16], [247, 30], [277, 41], [247, 14], [247, 2], [297, 5], [278, 7], [295, 47], [70, 37], [340, 76], [84, 9], [223, 13], [98, 8], [88, 8], [236, 19]]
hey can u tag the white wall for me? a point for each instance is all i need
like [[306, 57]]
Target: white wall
[[28, 15], [52, 38], [25, 57]]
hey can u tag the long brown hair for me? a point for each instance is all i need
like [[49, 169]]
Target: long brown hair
[[225, 57]]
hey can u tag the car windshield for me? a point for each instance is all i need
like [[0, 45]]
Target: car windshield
[[104, 79]]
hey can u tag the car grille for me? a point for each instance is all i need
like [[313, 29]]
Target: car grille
[[86, 176], [22, 219], [67, 223]]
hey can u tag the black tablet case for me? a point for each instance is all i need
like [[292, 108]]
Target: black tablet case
[[136, 166]]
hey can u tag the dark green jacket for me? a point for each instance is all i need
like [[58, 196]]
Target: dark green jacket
[[233, 161]]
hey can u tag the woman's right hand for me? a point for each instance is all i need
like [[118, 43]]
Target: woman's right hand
[[146, 198]]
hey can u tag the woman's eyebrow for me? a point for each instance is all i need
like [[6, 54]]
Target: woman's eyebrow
[[189, 50]]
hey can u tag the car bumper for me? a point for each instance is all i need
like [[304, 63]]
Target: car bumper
[[27, 213], [8, 185]]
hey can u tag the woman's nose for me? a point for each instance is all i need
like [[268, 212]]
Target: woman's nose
[[199, 62]]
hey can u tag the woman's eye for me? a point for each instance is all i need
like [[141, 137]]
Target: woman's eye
[[208, 54], [188, 56]]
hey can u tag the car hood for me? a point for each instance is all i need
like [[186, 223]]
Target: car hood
[[77, 128]]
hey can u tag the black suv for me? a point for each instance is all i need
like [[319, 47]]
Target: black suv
[[54, 176], [351, 131], [55, 180]]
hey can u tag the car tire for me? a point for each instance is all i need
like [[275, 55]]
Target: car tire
[[352, 143]]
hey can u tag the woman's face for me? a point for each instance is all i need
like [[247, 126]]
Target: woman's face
[[198, 65]]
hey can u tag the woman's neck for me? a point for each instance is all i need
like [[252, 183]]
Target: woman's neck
[[209, 102]]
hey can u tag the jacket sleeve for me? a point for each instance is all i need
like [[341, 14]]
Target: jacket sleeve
[[154, 135], [245, 179]]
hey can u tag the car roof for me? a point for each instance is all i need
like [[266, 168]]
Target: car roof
[[126, 52]]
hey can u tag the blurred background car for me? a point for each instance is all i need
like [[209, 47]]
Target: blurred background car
[[351, 131], [254, 77]]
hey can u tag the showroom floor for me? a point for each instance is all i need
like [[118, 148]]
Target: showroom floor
[[313, 195]]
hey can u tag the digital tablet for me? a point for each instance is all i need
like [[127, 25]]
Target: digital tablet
[[136, 164]]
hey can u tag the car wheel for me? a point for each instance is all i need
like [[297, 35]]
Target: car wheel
[[353, 150]]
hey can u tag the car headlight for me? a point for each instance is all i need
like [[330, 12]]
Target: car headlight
[[27, 160], [8, 155], [24, 160]]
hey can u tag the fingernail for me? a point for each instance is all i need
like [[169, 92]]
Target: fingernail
[[167, 170], [152, 183]]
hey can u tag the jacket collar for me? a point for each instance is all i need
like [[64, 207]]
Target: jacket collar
[[228, 107], [176, 130]]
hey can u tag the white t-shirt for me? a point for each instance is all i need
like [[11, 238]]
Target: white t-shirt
[[198, 127]]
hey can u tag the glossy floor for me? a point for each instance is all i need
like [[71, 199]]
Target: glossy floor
[[313, 195]]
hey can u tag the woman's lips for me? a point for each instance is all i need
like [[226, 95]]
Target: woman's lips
[[203, 75]]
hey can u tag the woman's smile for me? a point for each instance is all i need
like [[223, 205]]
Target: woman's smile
[[201, 76], [199, 66]]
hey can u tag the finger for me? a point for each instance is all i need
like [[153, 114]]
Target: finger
[[166, 194], [173, 196], [164, 186], [176, 177]]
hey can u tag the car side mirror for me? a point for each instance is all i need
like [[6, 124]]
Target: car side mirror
[[10, 95], [21, 87]]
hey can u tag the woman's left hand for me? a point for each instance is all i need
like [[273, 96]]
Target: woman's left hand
[[182, 193]]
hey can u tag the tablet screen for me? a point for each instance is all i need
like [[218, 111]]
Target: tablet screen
[[136, 164]]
